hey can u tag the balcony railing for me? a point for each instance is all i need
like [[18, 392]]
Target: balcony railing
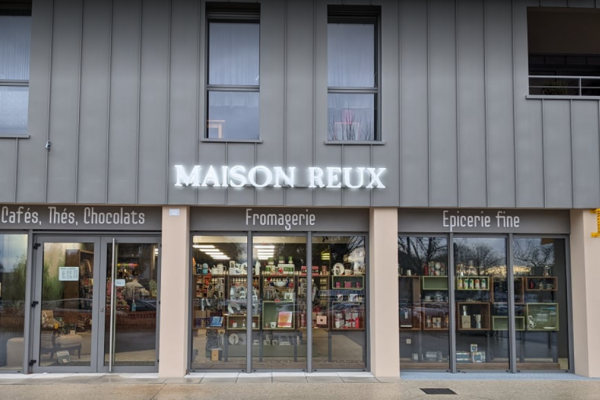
[[553, 85]]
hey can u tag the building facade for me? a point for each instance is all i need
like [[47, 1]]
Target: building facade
[[301, 185]]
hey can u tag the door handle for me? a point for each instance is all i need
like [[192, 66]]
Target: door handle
[[34, 303], [102, 310]]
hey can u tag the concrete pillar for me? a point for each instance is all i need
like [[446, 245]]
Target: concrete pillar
[[585, 276], [383, 291], [174, 293]]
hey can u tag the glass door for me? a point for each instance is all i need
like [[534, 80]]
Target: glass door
[[65, 306], [130, 276]]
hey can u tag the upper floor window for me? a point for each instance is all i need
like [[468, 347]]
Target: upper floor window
[[564, 51], [15, 44], [233, 72], [352, 74]]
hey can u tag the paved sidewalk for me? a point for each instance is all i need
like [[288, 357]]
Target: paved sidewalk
[[284, 386]]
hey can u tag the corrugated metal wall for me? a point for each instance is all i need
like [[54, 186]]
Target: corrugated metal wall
[[118, 89]]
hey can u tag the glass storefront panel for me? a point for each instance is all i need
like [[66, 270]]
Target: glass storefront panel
[[66, 306], [219, 307], [539, 266], [13, 264], [281, 341], [136, 306], [480, 270], [424, 317], [339, 299]]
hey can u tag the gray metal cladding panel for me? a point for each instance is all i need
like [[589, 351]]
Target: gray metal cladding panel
[[299, 112], [218, 154], [154, 105], [414, 150], [499, 102], [355, 156], [388, 155], [326, 155], [586, 147], [125, 103], [557, 154], [442, 113], [8, 169], [272, 90], [32, 154], [64, 102], [94, 103], [530, 155], [471, 105], [184, 107]]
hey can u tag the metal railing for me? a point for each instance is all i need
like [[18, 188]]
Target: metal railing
[[554, 85]]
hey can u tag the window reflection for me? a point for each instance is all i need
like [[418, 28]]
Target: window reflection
[[424, 317], [13, 263], [540, 303]]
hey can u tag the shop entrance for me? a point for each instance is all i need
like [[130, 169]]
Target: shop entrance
[[95, 304], [268, 301]]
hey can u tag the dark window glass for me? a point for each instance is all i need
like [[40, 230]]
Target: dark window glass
[[233, 54], [233, 115], [15, 43], [233, 80], [352, 78]]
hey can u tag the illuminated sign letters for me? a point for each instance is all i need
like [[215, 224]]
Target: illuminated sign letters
[[277, 177]]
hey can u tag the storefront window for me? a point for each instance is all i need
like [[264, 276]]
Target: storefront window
[[339, 299], [281, 341], [13, 262], [290, 300], [423, 302], [480, 275], [219, 308], [539, 266]]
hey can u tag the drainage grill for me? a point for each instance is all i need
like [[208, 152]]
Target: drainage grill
[[438, 391]]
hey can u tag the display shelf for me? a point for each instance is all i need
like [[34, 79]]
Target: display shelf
[[409, 297], [541, 283], [348, 282], [347, 316], [434, 283], [469, 322], [470, 283], [500, 323], [278, 315], [238, 322], [499, 290], [435, 315], [542, 317]]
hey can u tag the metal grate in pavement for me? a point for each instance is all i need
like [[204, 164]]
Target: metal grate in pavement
[[437, 391]]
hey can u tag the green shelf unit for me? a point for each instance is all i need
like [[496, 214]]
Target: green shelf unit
[[434, 282], [270, 315], [542, 316], [500, 323], [240, 320], [348, 282]]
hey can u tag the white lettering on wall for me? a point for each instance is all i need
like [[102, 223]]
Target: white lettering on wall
[[287, 221], [457, 220], [277, 177]]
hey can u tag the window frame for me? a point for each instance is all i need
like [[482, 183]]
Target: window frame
[[16, 8], [360, 15], [228, 13]]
